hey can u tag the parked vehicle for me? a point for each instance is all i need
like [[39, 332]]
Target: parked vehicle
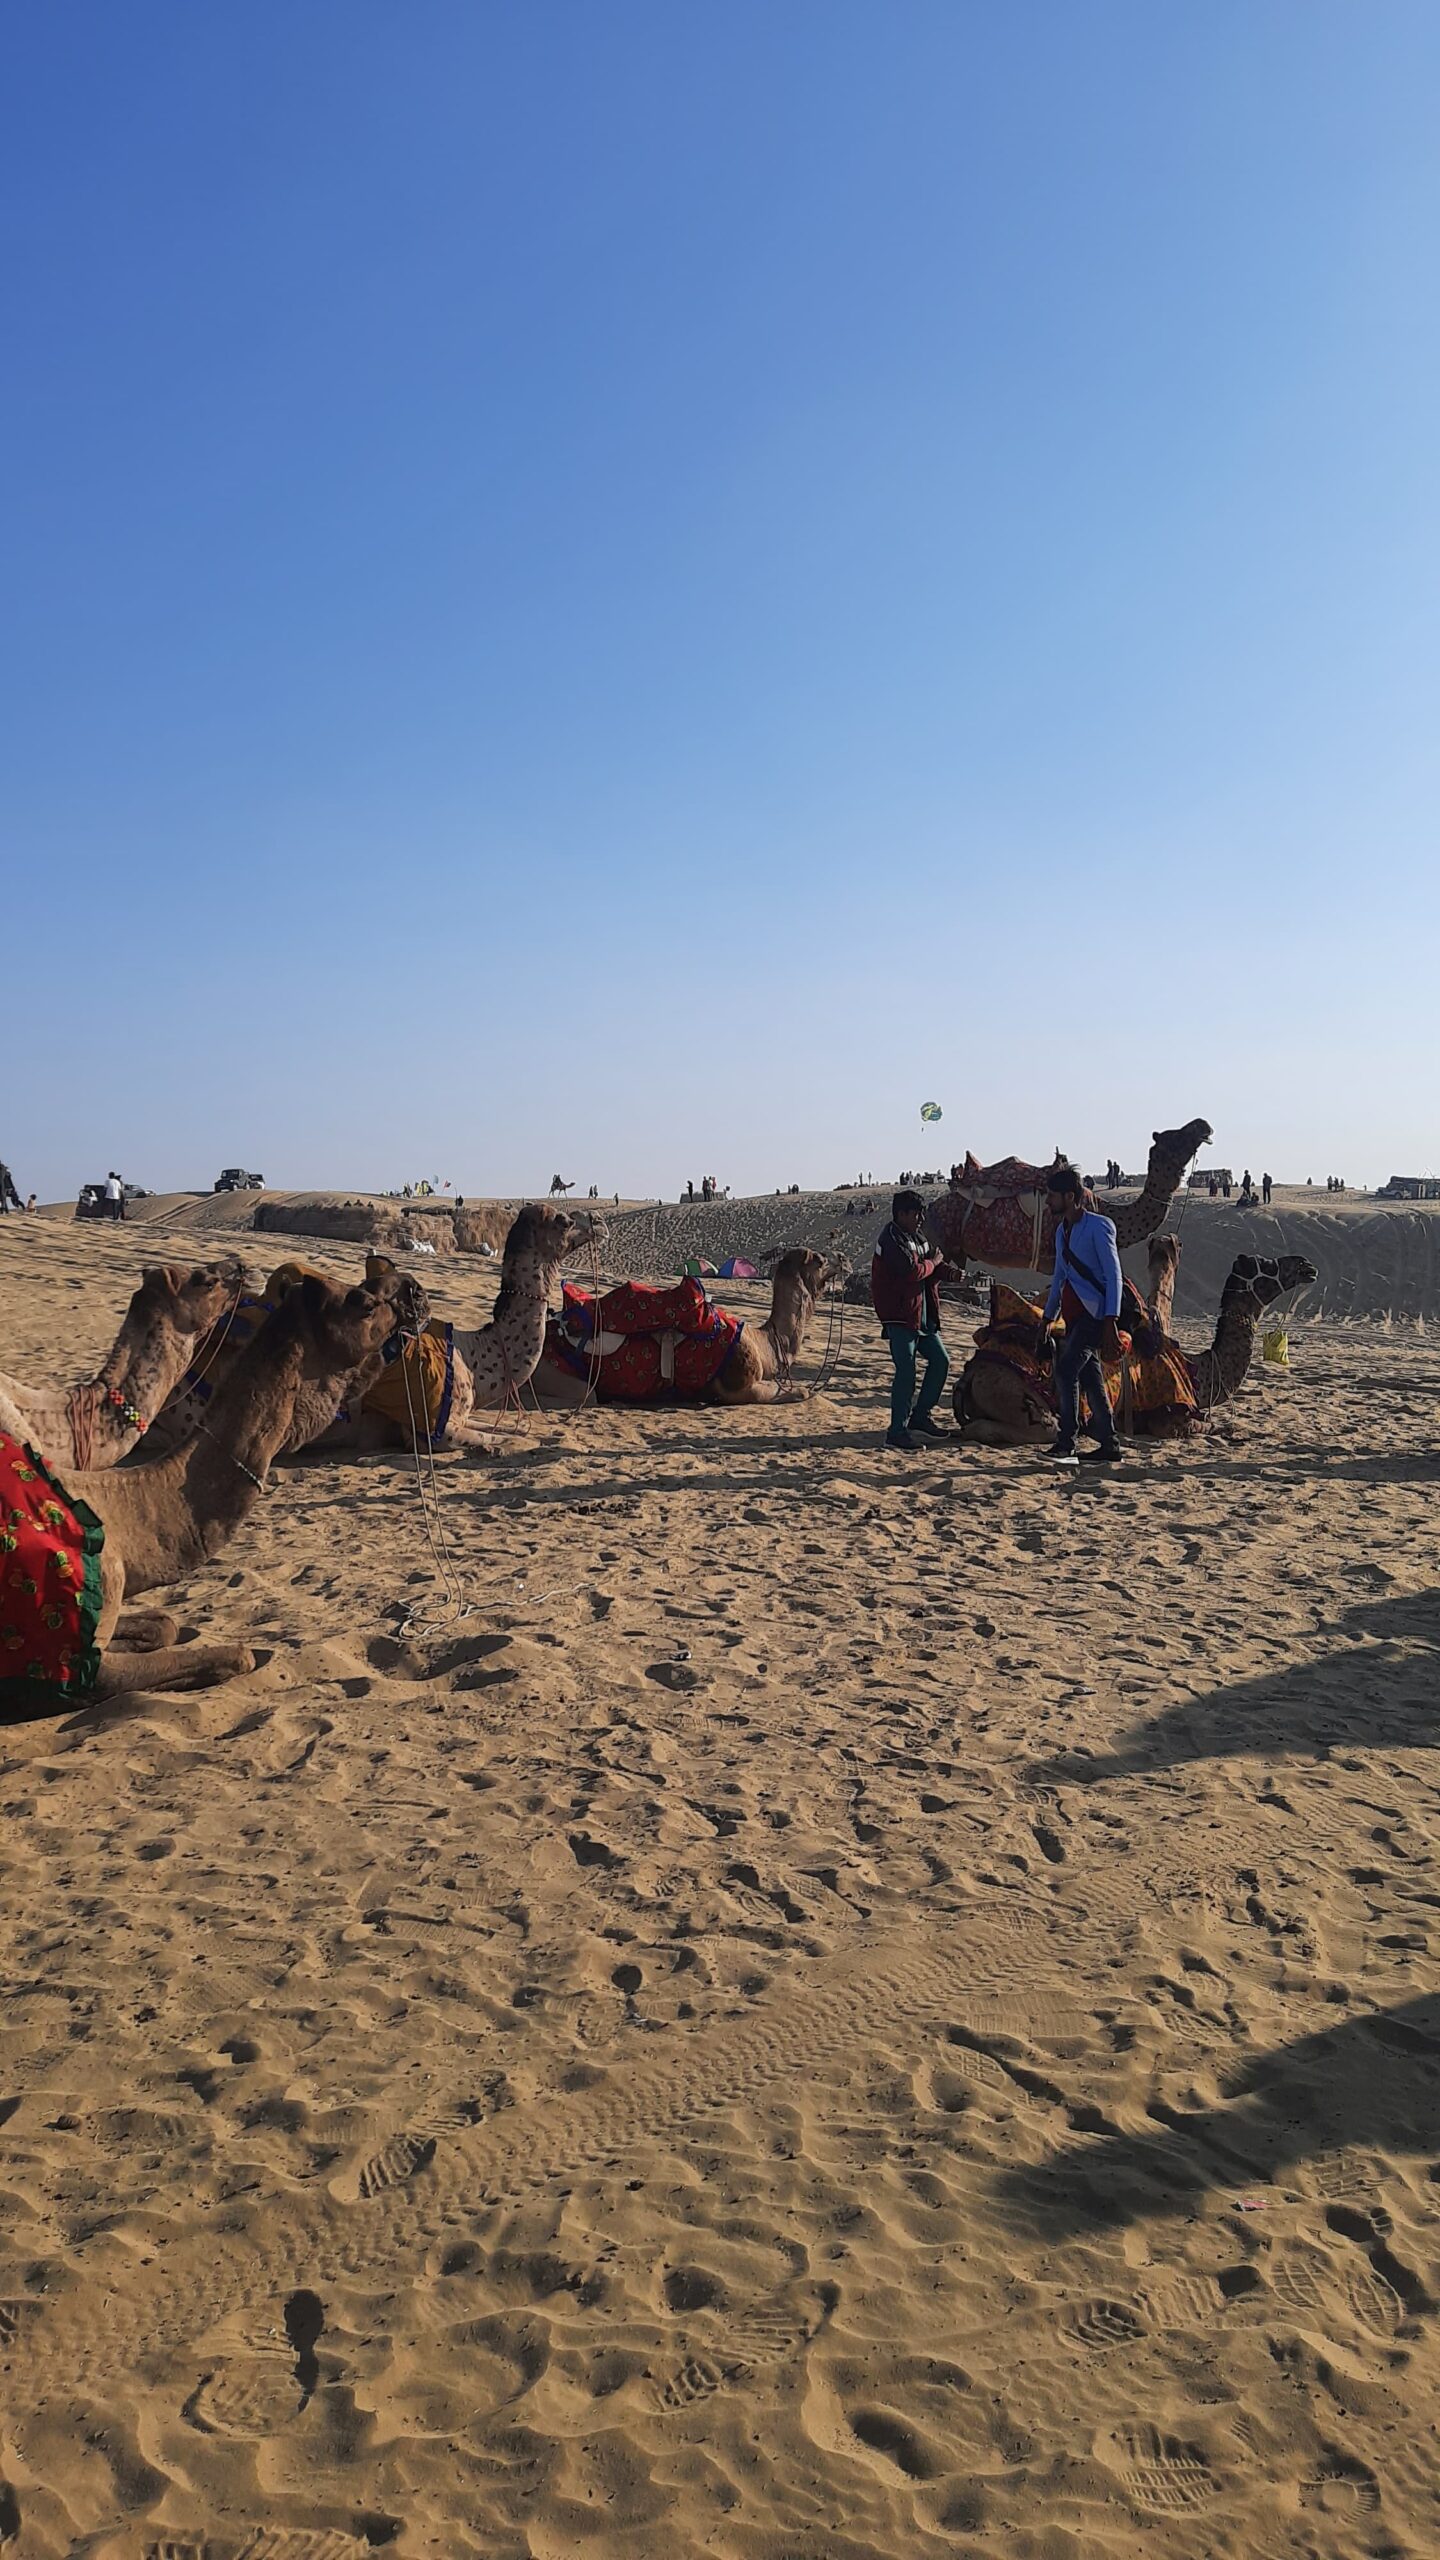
[[92, 1202], [235, 1178]]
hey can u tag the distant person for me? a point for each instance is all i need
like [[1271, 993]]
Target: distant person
[[30, 1206], [114, 1195], [1214, 1188], [1225, 1184], [906, 1298], [9, 1196], [1086, 1290], [1245, 1182], [1265, 1188]]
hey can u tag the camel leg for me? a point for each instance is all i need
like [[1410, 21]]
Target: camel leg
[[146, 1631], [180, 1666]]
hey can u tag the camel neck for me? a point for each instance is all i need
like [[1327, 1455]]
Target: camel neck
[[175, 1514], [1135, 1221], [1217, 1373], [789, 1320]]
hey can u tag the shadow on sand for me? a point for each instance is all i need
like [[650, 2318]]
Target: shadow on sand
[[1382, 1693], [1366, 2082]]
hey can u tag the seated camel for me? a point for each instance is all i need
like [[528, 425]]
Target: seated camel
[[72, 1552], [673, 1346], [1005, 1396], [438, 1374], [98, 1423]]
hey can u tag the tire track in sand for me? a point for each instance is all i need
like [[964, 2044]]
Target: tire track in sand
[[256, 2253]]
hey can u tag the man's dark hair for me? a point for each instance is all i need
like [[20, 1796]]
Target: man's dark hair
[[1063, 1177], [907, 1200]]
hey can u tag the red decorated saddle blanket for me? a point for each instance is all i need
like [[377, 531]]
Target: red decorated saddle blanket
[[643, 1345], [49, 1586], [1007, 1217]]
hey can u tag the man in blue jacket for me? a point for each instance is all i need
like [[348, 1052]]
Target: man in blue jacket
[[1086, 1290]]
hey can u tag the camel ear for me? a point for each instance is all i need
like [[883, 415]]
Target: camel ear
[[314, 1294]]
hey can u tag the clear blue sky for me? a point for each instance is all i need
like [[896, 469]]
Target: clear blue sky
[[642, 588]]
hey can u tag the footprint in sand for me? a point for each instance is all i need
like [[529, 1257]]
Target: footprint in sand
[[1160, 2471], [770, 2332]]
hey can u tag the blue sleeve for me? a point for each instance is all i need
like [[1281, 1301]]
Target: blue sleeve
[[1108, 1259]]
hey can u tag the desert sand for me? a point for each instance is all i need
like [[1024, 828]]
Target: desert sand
[[814, 2006]]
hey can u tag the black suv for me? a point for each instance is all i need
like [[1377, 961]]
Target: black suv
[[235, 1178]]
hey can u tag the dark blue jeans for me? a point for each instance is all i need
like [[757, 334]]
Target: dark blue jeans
[[1078, 1367]]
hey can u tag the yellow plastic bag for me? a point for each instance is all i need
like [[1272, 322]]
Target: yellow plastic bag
[[1275, 1346]]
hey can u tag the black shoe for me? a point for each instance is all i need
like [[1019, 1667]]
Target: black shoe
[[1060, 1454], [1105, 1457], [898, 1440], [928, 1427]]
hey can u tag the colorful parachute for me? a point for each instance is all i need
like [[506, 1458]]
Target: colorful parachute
[[930, 1111]]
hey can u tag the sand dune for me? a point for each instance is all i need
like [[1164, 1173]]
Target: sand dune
[[844, 2007]]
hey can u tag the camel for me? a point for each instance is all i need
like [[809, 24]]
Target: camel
[[454, 1371], [754, 1361], [93, 1542], [99, 1422], [444, 1372], [1004, 1397], [997, 1213], [1254, 1282], [188, 1406]]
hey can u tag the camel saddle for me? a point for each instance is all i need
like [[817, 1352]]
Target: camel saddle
[[49, 1586], [643, 1345]]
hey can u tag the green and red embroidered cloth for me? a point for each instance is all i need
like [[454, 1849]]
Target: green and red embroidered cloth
[[49, 1585]]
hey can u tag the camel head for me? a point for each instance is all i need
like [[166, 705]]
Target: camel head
[[550, 1234], [401, 1291], [1163, 1257], [1179, 1145], [337, 1329], [1256, 1280], [190, 1300], [171, 1297]]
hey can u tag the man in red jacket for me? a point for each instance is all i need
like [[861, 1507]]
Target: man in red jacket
[[906, 1299]]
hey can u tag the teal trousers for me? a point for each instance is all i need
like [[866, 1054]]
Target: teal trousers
[[906, 1348]]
